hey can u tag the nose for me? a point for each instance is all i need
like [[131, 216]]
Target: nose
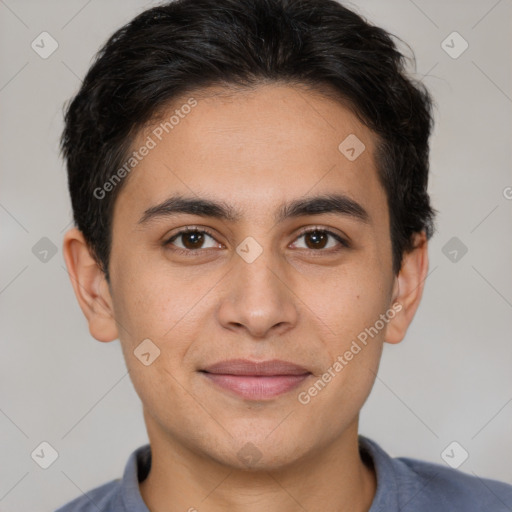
[[258, 297]]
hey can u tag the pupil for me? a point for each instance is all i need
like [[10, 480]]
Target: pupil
[[195, 238], [318, 239]]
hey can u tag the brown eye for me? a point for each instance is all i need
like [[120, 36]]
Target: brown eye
[[317, 239], [192, 240]]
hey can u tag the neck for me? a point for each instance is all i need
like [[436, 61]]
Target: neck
[[334, 478]]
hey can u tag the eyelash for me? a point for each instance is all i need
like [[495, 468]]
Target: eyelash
[[195, 252]]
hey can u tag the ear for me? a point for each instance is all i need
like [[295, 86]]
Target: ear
[[408, 289], [90, 285]]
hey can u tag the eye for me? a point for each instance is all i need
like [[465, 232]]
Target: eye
[[317, 238], [192, 239]]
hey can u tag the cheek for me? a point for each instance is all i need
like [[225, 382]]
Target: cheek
[[160, 307], [351, 308], [149, 308], [149, 300], [348, 301]]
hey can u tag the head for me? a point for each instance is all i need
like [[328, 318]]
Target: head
[[249, 122]]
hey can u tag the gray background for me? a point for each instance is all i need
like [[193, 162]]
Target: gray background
[[449, 380]]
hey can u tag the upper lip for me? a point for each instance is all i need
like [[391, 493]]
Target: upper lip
[[247, 367]]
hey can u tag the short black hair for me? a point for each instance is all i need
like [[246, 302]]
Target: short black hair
[[188, 45]]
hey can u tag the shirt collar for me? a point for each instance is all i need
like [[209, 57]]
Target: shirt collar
[[139, 463], [136, 470], [386, 494]]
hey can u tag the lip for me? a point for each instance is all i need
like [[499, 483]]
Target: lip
[[256, 380], [271, 367]]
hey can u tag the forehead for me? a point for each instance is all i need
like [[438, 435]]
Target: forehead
[[254, 148]]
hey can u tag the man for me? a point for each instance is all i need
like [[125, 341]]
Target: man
[[249, 187]]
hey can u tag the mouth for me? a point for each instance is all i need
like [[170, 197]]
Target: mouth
[[253, 380]]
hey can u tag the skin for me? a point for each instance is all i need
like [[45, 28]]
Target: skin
[[253, 150]]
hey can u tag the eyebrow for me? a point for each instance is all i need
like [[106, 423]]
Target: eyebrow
[[339, 204]]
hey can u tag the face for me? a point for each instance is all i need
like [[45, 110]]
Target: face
[[270, 269]]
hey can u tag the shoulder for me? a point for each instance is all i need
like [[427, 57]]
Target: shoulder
[[434, 484], [413, 485], [103, 498], [118, 495]]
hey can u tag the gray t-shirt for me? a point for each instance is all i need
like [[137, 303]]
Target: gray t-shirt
[[403, 485]]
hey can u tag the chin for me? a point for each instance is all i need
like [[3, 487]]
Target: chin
[[260, 453]]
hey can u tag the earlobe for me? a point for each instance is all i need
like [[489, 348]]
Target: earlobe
[[90, 286], [408, 289]]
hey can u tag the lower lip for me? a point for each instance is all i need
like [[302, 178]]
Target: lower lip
[[257, 387]]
